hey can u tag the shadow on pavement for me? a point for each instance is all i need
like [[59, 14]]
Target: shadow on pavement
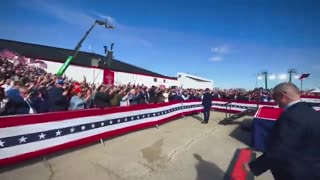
[[207, 170], [197, 117], [243, 132]]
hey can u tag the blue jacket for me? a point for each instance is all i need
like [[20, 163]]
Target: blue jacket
[[77, 103], [16, 104], [56, 100], [40, 105]]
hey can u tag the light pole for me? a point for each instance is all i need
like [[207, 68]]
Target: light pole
[[77, 48], [265, 74], [291, 72]]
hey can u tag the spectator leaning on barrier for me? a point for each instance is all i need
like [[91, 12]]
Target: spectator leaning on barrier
[[79, 99], [142, 98], [18, 102], [57, 98], [27, 93], [102, 98], [133, 98], [166, 95], [125, 97], [90, 101], [43, 103], [116, 97]]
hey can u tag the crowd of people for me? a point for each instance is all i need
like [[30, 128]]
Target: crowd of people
[[28, 89]]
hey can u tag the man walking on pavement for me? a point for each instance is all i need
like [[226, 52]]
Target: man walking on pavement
[[206, 103]]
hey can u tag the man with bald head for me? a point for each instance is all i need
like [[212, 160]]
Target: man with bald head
[[286, 94], [293, 148]]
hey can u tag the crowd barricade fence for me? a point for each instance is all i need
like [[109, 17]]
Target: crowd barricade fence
[[28, 136]]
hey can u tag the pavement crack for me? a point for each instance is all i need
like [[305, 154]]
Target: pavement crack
[[190, 142], [107, 170], [147, 166], [49, 167]]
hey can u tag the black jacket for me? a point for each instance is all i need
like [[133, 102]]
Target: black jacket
[[207, 100], [15, 107], [102, 100], [293, 148], [56, 100]]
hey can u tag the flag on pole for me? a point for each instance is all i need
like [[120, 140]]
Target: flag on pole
[[41, 64], [304, 76], [7, 54]]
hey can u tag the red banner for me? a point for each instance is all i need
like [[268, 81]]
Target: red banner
[[108, 77]]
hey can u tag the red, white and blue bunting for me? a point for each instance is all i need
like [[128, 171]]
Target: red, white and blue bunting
[[239, 106], [28, 136]]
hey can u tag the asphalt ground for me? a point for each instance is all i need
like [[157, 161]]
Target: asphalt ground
[[183, 149]]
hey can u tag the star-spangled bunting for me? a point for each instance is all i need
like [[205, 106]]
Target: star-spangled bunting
[[7, 142]]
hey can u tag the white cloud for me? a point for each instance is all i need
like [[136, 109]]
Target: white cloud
[[216, 58], [221, 49], [71, 16], [282, 76], [296, 76], [272, 77], [107, 17], [68, 15]]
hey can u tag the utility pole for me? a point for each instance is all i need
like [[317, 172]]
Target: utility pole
[[291, 72]]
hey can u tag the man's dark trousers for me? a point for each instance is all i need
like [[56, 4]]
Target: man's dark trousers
[[206, 103], [206, 114]]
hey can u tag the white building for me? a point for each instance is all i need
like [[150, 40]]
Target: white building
[[125, 78], [191, 81], [96, 68], [92, 74], [98, 75]]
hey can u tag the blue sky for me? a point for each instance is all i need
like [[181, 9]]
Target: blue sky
[[227, 41]]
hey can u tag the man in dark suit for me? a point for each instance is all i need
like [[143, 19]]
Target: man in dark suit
[[293, 149], [206, 103]]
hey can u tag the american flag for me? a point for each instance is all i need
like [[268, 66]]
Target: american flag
[[4, 53], [29, 136], [41, 63], [37, 63], [304, 76], [13, 56]]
